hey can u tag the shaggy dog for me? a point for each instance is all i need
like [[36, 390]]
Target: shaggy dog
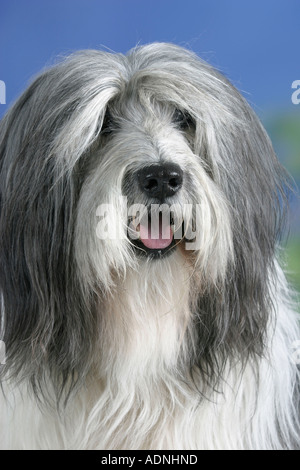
[[142, 303]]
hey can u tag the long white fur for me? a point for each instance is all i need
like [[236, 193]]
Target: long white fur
[[158, 411]]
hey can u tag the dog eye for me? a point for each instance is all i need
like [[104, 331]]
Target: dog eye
[[183, 120], [108, 125]]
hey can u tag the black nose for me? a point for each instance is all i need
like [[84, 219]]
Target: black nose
[[160, 181]]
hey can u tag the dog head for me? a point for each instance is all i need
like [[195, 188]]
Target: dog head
[[110, 161]]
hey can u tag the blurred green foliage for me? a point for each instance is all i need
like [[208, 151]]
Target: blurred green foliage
[[293, 260], [284, 130]]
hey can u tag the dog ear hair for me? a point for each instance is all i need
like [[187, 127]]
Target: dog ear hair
[[48, 325], [243, 163]]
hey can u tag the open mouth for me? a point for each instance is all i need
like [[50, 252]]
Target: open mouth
[[155, 237]]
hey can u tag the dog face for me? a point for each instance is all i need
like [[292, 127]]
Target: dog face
[[102, 151], [159, 195]]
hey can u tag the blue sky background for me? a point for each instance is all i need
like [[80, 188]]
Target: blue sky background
[[256, 43]]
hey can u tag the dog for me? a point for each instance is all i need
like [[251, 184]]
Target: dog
[[143, 305]]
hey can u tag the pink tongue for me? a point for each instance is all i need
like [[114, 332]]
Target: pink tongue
[[156, 239]]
